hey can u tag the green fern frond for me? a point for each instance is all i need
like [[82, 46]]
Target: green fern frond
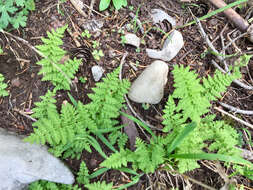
[[189, 91], [3, 86], [99, 186], [42, 107], [171, 117], [60, 74], [116, 160], [218, 83], [107, 100], [82, 175]]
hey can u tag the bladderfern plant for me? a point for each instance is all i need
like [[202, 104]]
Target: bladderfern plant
[[60, 74], [3, 86], [69, 131], [188, 127]]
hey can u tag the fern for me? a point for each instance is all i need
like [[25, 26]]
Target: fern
[[189, 91], [116, 160], [68, 132], [3, 86], [46, 185], [60, 74], [194, 102], [82, 175], [99, 185], [107, 100], [218, 83]]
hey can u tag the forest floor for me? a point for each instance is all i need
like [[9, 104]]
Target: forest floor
[[18, 65]]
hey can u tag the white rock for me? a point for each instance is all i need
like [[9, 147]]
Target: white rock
[[171, 47], [159, 15], [22, 163], [132, 39], [149, 86], [97, 72]]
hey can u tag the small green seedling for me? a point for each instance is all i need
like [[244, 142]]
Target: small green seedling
[[86, 34], [1, 51], [145, 106], [83, 79], [95, 44], [97, 54], [131, 8], [123, 40], [104, 4]]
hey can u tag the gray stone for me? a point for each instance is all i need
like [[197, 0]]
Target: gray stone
[[97, 72], [22, 163], [92, 25], [149, 86], [132, 39], [171, 47], [159, 15]]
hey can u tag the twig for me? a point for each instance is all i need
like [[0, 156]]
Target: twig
[[233, 41], [209, 43], [236, 110], [234, 117], [204, 35], [197, 182], [24, 114], [78, 6], [91, 7], [95, 11], [40, 53]]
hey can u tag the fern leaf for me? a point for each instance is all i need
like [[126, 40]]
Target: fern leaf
[[218, 83], [99, 186], [60, 74], [171, 117], [83, 174], [189, 91], [116, 160], [3, 86]]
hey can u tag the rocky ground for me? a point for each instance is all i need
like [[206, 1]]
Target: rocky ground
[[18, 66]]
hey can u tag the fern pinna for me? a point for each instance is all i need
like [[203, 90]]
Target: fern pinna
[[193, 102], [68, 132], [3, 86], [60, 74]]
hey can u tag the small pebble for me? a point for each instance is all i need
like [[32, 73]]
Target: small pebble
[[97, 72], [132, 39]]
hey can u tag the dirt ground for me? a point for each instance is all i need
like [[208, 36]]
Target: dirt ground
[[18, 65]]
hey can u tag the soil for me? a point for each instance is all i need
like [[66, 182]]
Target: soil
[[18, 65]]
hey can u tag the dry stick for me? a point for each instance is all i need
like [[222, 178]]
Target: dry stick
[[236, 110], [78, 6], [234, 117], [24, 114], [38, 52], [209, 43], [204, 35], [91, 7]]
